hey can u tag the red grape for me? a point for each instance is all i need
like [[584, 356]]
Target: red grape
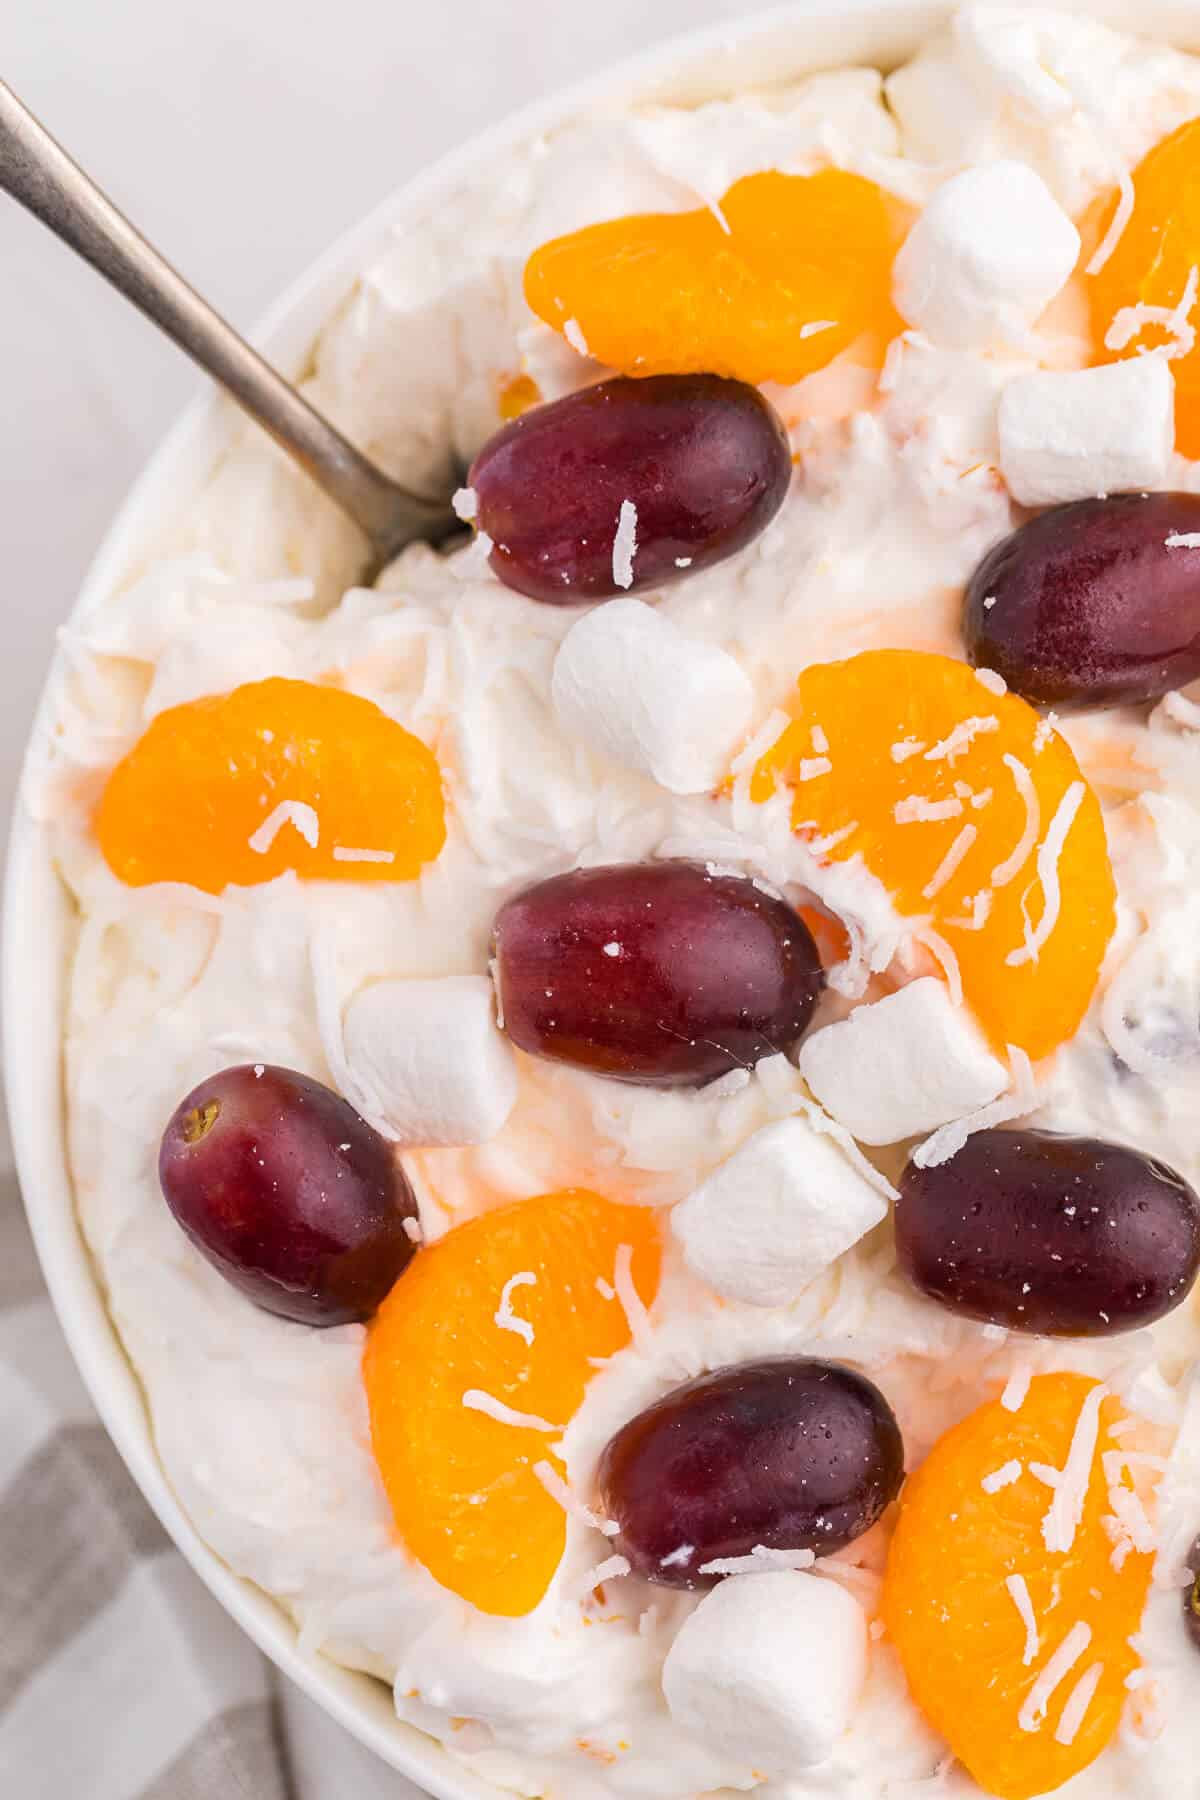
[[790, 1454], [295, 1199], [1088, 606], [658, 973], [703, 461], [1063, 1236]]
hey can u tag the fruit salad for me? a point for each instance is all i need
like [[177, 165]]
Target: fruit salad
[[633, 1087]]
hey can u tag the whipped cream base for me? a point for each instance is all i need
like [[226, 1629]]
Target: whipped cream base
[[261, 1425]]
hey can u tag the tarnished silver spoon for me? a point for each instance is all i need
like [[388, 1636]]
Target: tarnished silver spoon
[[39, 174]]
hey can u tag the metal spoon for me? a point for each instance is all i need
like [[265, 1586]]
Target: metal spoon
[[39, 174]]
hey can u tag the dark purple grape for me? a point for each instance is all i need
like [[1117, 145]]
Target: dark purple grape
[[1087, 605], [1191, 1596], [703, 461], [1063, 1236], [658, 973], [294, 1198], [791, 1453]]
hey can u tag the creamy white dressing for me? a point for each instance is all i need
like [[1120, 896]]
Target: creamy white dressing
[[261, 1425]]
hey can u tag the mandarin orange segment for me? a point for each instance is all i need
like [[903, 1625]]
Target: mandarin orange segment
[[1153, 266], [277, 775], [1015, 1649], [803, 269], [972, 813], [440, 1365]]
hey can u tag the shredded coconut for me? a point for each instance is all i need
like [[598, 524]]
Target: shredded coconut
[[949, 1139], [820, 741], [611, 1569], [980, 906], [1033, 1714], [919, 809], [625, 545], [1183, 540], [631, 1301], [1018, 1589], [466, 504], [1176, 321], [936, 944], [605, 1289], [288, 812], [1120, 219], [343, 854], [1066, 1508], [1001, 1478], [991, 680], [1016, 1388], [676, 1558], [573, 332], [759, 1559], [815, 326], [909, 746], [950, 863], [1047, 868], [475, 1400], [505, 1317], [812, 766], [412, 1230], [1078, 1701], [959, 741], [1012, 865], [570, 1502]]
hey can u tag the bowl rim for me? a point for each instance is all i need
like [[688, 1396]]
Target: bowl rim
[[686, 68]]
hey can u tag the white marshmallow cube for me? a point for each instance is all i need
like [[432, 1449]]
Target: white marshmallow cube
[[902, 1066], [429, 1061], [630, 684], [769, 1668], [986, 257], [776, 1214], [1074, 434]]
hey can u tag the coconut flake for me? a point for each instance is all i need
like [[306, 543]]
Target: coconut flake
[[476, 1400], [573, 332], [815, 326], [980, 906], [1047, 867], [676, 1558], [466, 504], [1120, 219], [907, 747], [570, 1502], [1016, 1388], [949, 1139], [341, 853], [920, 809], [625, 545], [412, 1230], [1183, 540], [1078, 1701], [1033, 1714], [1018, 1590], [991, 679], [960, 740], [1066, 1508], [1012, 865], [504, 1316], [949, 865], [1176, 321], [288, 812], [759, 1559], [1001, 1478], [812, 766], [631, 1301], [611, 1569]]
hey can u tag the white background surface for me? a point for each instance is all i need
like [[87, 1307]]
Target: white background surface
[[241, 135]]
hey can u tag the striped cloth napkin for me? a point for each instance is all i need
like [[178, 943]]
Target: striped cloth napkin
[[120, 1676]]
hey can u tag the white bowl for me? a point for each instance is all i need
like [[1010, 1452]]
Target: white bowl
[[758, 52]]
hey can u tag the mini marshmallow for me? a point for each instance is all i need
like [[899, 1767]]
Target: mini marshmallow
[[1074, 434], [630, 684], [986, 257], [769, 1668], [902, 1066], [429, 1061], [776, 1214]]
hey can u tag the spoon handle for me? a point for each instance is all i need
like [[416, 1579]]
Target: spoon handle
[[39, 174]]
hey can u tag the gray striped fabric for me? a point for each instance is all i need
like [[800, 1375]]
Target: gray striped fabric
[[120, 1677]]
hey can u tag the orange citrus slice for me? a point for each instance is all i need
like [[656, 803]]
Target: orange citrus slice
[[1011, 1603], [476, 1363], [1154, 267], [276, 775], [975, 817], [769, 286]]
